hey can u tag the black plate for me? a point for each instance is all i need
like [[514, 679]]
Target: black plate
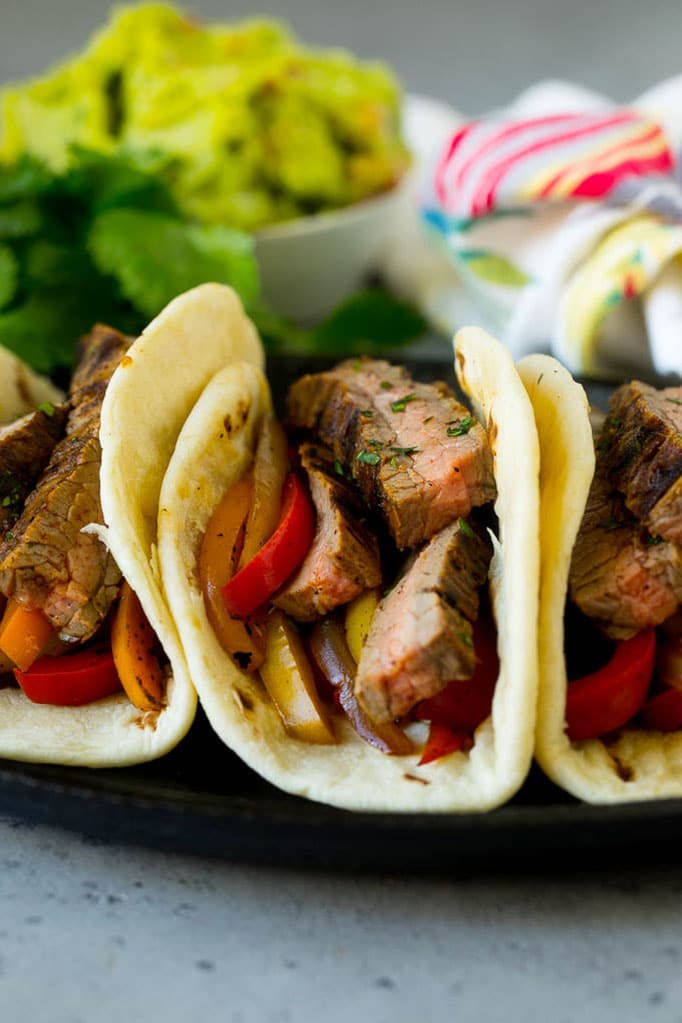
[[202, 799]]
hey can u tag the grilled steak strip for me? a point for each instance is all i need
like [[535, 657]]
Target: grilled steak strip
[[344, 557], [47, 562], [641, 447], [622, 577], [421, 634], [416, 453], [25, 448]]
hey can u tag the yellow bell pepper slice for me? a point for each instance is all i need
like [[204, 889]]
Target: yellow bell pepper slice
[[359, 614], [288, 678]]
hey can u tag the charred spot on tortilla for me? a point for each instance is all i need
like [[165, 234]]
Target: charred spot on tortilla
[[243, 659], [414, 777], [625, 772], [246, 701], [147, 720]]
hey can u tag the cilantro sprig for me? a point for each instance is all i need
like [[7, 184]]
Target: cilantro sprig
[[105, 241]]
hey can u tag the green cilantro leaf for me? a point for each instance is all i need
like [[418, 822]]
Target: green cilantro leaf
[[368, 457], [45, 328], [21, 219], [465, 528], [104, 181], [9, 270], [155, 257], [401, 404], [25, 179], [368, 322], [459, 429]]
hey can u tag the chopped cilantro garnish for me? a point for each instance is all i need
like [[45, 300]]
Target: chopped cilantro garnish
[[47, 408], [6, 501], [404, 451], [653, 541], [461, 428], [675, 401], [401, 403], [465, 527], [466, 639], [367, 413], [393, 462], [427, 420], [375, 444], [386, 385], [368, 457], [338, 468], [357, 365]]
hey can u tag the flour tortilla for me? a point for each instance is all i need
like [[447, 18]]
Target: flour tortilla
[[638, 764], [214, 449], [22, 390], [146, 403]]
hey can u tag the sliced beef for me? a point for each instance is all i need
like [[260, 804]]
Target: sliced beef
[[47, 562], [641, 448], [621, 576], [25, 448], [415, 451], [421, 634], [344, 558]]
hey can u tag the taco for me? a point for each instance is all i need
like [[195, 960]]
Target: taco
[[275, 552], [611, 585], [84, 612]]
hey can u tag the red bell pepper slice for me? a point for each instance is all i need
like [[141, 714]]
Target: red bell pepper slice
[[279, 556], [456, 712], [607, 699], [70, 680], [443, 740], [664, 711]]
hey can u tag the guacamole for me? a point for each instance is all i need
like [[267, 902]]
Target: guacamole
[[245, 125]]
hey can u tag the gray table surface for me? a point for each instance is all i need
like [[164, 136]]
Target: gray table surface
[[96, 933]]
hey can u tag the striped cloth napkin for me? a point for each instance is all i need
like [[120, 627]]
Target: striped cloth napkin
[[563, 218]]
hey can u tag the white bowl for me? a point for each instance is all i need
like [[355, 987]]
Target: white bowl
[[310, 264]]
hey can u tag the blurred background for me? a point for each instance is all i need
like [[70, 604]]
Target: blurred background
[[475, 54]]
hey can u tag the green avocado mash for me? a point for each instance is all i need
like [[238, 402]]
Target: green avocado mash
[[244, 125]]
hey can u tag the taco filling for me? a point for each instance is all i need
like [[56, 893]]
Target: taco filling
[[71, 631], [383, 483], [626, 569], [611, 625]]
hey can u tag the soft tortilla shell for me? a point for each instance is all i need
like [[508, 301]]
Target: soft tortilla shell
[[144, 407], [638, 764], [208, 459], [22, 390]]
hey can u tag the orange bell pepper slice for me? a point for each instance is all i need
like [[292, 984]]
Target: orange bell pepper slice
[[244, 640], [24, 634], [133, 645]]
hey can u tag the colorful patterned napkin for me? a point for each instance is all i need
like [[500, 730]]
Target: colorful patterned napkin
[[563, 218]]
